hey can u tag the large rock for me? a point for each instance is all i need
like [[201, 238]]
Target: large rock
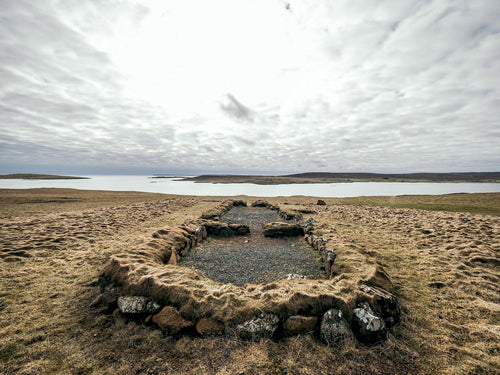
[[138, 305], [298, 324], [368, 327], [310, 238], [290, 215], [219, 229], [239, 229], [209, 327], [309, 226], [328, 257], [261, 327], [321, 202], [334, 327], [279, 229], [319, 244], [260, 203], [386, 304], [200, 233], [170, 320]]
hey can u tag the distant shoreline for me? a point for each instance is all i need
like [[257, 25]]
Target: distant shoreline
[[324, 178], [34, 176]]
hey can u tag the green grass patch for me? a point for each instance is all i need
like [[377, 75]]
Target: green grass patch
[[478, 203]]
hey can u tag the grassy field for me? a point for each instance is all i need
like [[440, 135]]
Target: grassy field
[[480, 203], [28, 202], [442, 253]]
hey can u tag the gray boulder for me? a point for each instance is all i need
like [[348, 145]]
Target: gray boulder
[[138, 305], [368, 327], [318, 243], [290, 276], [309, 226], [261, 327], [334, 327], [328, 257]]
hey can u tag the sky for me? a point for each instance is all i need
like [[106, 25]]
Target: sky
[[240, 86]]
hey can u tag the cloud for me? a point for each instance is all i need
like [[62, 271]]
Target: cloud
[[332, 86], [234, 109]]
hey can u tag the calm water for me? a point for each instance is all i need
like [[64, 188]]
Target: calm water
[[169, 186]]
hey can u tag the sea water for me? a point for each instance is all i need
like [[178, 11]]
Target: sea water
[[173, 186]]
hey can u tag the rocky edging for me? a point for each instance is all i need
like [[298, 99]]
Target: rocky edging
[[147, 284], [283, 213], [376, 286]]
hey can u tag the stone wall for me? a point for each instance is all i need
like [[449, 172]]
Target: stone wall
[[147, 284]]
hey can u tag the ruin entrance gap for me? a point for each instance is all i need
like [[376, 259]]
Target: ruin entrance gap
[[254, 258]]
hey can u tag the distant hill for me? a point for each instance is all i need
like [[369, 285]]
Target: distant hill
[[439, 177], [34, 176], [326, 177]]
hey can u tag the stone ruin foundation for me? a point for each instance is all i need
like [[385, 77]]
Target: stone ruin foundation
[[353, 296], [272, 249]]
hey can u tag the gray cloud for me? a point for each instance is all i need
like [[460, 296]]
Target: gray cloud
[[414, 86], [234, 109]]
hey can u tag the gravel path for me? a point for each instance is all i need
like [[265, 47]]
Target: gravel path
[[253, 258]]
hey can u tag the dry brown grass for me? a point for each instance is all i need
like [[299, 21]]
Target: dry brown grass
[[445, 270], [479, 203], [29, 202], [444, 267]]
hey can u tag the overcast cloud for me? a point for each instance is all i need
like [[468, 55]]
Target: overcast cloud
[[128, 86]]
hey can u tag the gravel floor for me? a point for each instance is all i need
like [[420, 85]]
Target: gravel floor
[[253, 258]]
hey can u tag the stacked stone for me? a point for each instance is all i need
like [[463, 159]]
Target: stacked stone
[[333, 326], [287, 215], [219, 229], [367, 326], [217, 212], [327, 255], [181, 240]]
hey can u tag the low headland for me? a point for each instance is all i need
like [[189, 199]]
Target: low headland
[[440, 252], [36, 176], [326, 177]]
